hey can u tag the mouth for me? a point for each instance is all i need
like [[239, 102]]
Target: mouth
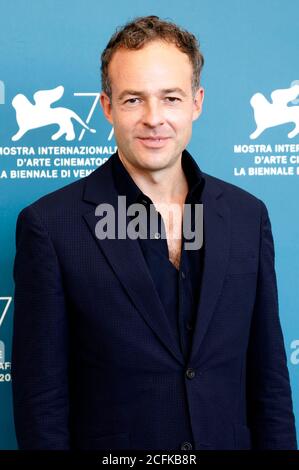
[[153, 142]]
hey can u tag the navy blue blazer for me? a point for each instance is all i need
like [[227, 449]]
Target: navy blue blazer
[[95, 362]]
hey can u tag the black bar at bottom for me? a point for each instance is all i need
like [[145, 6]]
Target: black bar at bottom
[[134, 459]]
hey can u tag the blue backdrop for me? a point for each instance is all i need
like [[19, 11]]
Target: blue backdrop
[[251, 52]]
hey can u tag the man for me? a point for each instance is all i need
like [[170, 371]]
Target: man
[[139, 343]]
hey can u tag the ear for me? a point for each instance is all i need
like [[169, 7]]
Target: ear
[[106, 106], [197, 103]]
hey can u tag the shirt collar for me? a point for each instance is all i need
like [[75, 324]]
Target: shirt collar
[[126, 186]]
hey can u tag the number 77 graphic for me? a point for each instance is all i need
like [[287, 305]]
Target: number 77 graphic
[[93, 107], [3, 314]]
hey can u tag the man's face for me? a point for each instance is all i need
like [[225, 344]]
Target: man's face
[[152, 107]]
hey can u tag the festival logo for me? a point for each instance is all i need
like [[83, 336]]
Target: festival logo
[[267, 114], [33, 116]]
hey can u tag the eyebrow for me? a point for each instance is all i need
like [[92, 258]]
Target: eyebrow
[[142, 93]]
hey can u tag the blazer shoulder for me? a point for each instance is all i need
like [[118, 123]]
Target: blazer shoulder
[[66, 198], [235, 195]]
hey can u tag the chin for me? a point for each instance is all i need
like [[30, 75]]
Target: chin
[[154, 159], [154, 164]]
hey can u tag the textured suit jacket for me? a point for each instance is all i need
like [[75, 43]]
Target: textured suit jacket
[[95, 363]]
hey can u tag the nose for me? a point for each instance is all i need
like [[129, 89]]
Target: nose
[[153, 114]]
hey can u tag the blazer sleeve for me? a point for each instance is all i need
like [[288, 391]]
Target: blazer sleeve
[[270, 409], [40, 340]]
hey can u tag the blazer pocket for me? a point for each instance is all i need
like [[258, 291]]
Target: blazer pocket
[[242, 437], [108, 442], [242, 266]]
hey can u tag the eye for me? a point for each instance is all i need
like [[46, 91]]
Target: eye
[[131, 100], [172, 99]]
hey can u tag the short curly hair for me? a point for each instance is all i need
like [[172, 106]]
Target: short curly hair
[[144, 29]]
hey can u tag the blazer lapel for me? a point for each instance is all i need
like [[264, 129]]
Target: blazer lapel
[[126, 259], [216, 220]]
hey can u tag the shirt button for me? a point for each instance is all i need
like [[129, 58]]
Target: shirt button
[[157, 235], [186, 446], [183, 275], [189, 326], [190, 373]]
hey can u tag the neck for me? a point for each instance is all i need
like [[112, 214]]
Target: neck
[[167, 185]]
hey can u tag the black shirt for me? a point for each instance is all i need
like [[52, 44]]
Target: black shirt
[[178, 289]]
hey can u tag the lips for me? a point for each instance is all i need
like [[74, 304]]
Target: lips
[[156, 137], [153, 142]]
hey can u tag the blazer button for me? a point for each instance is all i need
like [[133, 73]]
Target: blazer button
[[186, 446], [190, 373]]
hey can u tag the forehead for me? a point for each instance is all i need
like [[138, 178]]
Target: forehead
[[157, 62]]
